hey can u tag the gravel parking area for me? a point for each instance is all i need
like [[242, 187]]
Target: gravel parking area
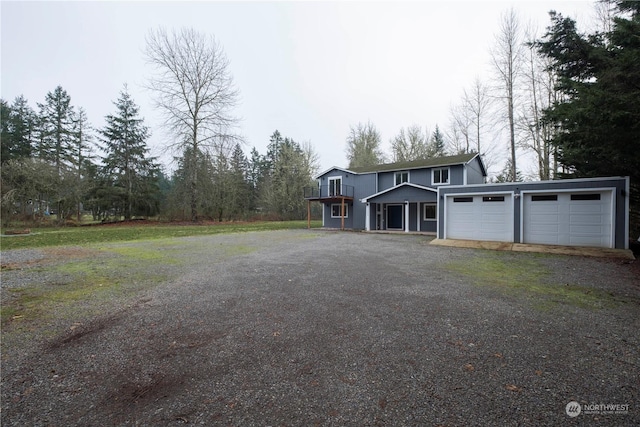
[[304, 328]]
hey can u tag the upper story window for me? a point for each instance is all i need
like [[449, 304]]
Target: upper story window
[[401, 177], [440, 176]]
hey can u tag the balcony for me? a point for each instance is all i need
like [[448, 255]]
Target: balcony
[[329, 193]]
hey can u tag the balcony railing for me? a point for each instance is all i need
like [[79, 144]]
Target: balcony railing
[[329, 192]]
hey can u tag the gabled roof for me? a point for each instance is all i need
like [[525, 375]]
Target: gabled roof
[[333, 168], [416, 164], [404, 184]]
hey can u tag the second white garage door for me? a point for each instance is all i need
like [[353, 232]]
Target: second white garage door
[[571, 219], [483, 217]]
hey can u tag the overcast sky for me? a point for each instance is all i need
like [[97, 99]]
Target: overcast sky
[[307, 69]]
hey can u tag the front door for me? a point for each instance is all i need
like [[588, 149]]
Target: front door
[[395, 217]]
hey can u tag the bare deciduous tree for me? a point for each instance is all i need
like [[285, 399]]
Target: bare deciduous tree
[[195, 91], [477, 102], [363, 146], [506, 57], [540, 94], [410, 145]]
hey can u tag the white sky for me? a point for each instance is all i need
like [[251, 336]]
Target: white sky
[[307, 69]]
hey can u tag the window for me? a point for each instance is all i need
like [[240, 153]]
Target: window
[[430, 212], [335, 186], [335, 210], [440, 176], [401, 177], [493, 199], [462, 199], [585, 196], [544, 198]]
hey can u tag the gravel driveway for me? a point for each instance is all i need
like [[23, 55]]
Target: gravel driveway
[[325, 328]]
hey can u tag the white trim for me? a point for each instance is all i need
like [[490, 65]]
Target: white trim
[[575, 190], [339, 205], [367, 217], [424, 211], [401, 171], [464, 173], [418, 219], [334, 178], [512, 193], [626, 215], [433, 170], [526, 183], [320, 175], [420, 187], [406, 217]]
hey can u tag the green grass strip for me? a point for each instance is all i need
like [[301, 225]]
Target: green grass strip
[[40, 237]]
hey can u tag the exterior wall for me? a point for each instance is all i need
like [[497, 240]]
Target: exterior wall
[[365, 186], [474, 172], [337, 222], [620, 185], [420, 177], [456, 175], [427, 226]]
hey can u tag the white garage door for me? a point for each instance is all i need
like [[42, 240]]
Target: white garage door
[[480, 217], [571, 219]]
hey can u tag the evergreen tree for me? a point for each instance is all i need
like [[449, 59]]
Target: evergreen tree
[[18, 122], [5, 131], [240, 190], [289, 172], [56, 128], [436, 145], [598, 116], [127, 162]]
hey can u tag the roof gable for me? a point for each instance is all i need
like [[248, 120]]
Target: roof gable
[[418, 164], [397, 187]]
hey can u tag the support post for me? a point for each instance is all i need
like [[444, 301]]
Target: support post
[[367, 218], [342, 213], [308, 214], [406, 216]]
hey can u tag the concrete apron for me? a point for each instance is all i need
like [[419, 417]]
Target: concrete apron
[[549, 249]]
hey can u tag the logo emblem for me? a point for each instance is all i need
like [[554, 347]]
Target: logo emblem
[[573, 409]]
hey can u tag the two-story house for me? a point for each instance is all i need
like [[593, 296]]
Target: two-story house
[[395, 196], [448, 196]]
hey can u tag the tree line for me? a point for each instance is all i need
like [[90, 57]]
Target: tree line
[[570, 100], [56, 165]]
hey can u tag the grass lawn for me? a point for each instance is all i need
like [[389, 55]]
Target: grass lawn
[[112, 233]]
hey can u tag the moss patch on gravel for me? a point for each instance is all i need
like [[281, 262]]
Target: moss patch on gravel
[[91, 286], [528, 275]]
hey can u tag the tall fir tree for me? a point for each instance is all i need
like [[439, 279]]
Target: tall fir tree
[[127, 160], [598, 115], [56, 128]]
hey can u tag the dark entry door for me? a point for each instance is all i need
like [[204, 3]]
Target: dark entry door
[[394, 217]]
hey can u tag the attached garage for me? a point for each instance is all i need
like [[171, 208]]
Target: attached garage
[[571, 212], [480, 217], [568, 218]]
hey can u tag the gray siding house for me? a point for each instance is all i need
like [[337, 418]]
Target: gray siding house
[[394, 196], [448, 196]]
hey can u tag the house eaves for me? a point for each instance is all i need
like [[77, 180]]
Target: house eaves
[[332, 169], [418, 164]]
